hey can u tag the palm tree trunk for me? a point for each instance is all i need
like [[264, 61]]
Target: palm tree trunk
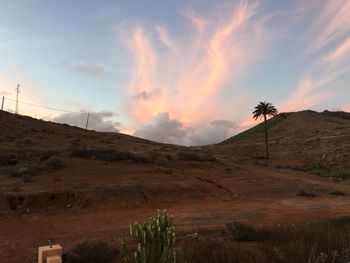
[[266, 139]]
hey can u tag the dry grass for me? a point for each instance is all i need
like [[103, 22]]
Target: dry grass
[[316, 242]]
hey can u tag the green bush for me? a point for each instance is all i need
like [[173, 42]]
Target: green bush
[[92, 252], [155, 240]]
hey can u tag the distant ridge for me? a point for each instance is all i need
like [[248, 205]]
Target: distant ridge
[[303, 123], [304, 135]]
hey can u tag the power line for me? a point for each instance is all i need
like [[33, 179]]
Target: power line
[[45, 107], [90, 115]]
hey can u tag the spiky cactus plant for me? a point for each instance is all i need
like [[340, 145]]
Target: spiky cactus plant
[[155, 240]]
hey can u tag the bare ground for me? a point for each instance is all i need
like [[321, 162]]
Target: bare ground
[[202, 197]]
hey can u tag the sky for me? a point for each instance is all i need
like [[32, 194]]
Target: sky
[[187, 72]]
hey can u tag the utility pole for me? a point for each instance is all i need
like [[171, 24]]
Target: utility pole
[[87, 121], [2, 103], [17, 92]]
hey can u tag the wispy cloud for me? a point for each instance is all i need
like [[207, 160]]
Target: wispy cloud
[[192, 73], [332, 23], [332, 57]]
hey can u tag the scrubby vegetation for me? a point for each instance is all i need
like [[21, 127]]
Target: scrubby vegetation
[[335, 192], [305, 193], [187, 155], [27, 170], [7, 159], [92, 252], [325, 241], [237, 231], [105, 154], [316, 242], [206, 250], [319, 170]]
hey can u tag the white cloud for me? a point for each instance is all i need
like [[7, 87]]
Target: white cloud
[[98, 121], [162, 128]]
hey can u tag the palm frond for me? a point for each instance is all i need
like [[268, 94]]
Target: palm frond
[[264, 109]]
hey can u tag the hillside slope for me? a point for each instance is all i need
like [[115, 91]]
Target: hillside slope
[[308, 135], [68, 184]]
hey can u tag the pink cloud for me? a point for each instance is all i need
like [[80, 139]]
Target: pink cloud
[[331, 24], [191, 74], [340, 51]]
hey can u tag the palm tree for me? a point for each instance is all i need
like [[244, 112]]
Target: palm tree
[[264, 110]]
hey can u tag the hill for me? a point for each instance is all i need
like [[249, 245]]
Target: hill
[[322, 138], [68, 184]]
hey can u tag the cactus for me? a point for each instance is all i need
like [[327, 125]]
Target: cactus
[[155, 240]]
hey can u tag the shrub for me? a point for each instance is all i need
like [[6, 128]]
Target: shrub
[[305, 193], [336, 192], [205, 250], [163, 162], [27, 178], [24, 142], [47, 154], [321, 170], [92, 252], [155, 240], [192, 156], [340, 174], [237, 231], [52, 164], [20, 171], [105, 154], [7, 159]]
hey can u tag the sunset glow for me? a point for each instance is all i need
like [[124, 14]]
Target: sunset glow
[[180, 67]]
